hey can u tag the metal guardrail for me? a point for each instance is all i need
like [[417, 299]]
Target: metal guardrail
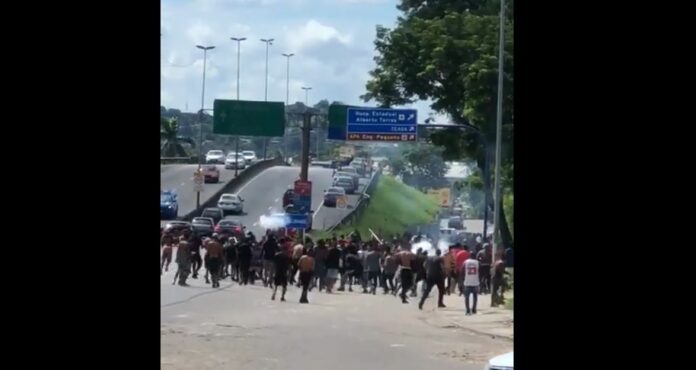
[[175, 160], [353, 216]]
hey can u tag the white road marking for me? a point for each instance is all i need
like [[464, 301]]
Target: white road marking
[[183, 184], [270, 208], [255, 224], [397, 345], [276, 200]]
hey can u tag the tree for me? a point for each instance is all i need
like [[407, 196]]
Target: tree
[[172, 142], [447, 51]]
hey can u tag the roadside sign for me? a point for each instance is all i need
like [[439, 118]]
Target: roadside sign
[[379, 124], [198, 180], [341, 202], [298, 221], [302, 196], [248, 118]]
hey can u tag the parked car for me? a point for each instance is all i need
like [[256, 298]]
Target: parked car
[[249, 156], [176, 228], [455, 223], [204, 226], [353, 172], [332, 194], [230, 226], [215, 213], [346, 183], [231, 203], [288, 197], [356, 179], [502, 362], [169, 206], [215, 156], [235, 160], [212, 174]]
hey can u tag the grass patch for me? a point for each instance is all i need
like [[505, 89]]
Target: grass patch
[[393, 208]]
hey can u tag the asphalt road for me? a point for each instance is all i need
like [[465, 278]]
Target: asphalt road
[[237, 327]]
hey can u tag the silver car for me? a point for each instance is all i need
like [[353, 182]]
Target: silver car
[[215, 156], [235, 160], [231, 203]]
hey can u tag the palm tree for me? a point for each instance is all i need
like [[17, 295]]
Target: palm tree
[[172, 142]]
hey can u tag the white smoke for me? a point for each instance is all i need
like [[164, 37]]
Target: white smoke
[[272, 222]]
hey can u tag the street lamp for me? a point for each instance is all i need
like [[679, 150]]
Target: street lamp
[[287, 100], [306, 94], [236, 145], [268, 42], [200, 116]]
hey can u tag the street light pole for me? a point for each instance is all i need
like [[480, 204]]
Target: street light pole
[[498, 143], [265, 98], [200, 116], [306, 96], [287, 102], [236, 146]]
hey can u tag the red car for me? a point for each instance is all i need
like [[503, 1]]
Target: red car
[[212, 174], [288, 197]]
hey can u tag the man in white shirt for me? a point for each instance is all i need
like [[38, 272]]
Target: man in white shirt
[[470, 272]]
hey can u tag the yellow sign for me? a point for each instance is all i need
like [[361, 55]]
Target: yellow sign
[[347, 151], [341, 202], [444, 197]]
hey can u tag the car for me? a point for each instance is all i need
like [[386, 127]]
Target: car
[[353, 172], [215, 156], [455, 223], [235, 160], [231, 203], [346, 183], [204, 226], [176, 228], [356, 179], [230, 226], [212, 174], [288, 197], [249, 156], [169, 206], [502, 362], [332, 194], [215, 213]]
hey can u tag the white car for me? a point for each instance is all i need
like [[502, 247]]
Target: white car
[[215, 156], [502, 362], [232, 203], [235, 160], [249, 156]]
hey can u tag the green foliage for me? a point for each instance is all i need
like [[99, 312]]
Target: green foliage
[[447, 51], [171, 141]]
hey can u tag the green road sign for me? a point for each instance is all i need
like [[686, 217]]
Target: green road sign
[[248, 118]]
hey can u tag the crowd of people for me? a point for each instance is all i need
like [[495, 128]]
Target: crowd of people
[[338, 263]]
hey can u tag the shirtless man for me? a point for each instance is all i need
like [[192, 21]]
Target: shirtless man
[[306, 267], [405, 258], [214, 257]]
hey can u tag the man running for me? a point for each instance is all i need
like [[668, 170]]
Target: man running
[[470, 272], [270, 247], [196, 260], [320, 255], [498, 280], [372, 266], [333, 258], [214, 256], [281, 263], [244, 255], [450, 272], [485, 257], [183, 261], [418, 270], [405, 259], [435, 275], [389, 264], [297, 252], [230, 249], [166, 244], [306, 267]]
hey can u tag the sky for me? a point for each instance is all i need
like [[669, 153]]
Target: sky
[[332, 41]]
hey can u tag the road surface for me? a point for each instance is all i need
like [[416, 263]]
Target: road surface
[[240, 328]]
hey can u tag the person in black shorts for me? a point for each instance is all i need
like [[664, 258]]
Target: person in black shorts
[[281, 263]]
